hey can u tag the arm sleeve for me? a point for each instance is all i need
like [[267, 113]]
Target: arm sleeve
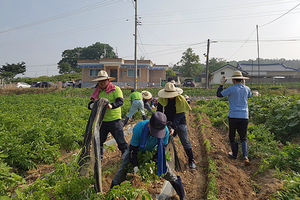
[[160, 107], [119, 102], [220, 89], [133, 150]]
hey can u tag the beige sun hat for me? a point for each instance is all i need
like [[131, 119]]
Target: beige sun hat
[[170, 91], [146, 95], [102, 75], [172, 81], [237, 75]]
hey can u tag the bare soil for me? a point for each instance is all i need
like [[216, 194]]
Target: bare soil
[[234, 180]]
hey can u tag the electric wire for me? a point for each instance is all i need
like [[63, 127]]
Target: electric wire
[[67, 14], [280, 16]]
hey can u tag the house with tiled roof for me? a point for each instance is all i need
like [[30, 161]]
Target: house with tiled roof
[[227, 71], [269, 70], [123, 71]]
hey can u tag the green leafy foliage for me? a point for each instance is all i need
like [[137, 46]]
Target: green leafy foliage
[[64, 183], [34, 127], [8, 181], [147, 167], [124, 190]]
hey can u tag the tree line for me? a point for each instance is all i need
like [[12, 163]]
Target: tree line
[[188, 65]]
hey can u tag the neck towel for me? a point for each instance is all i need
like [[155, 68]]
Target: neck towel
[[181, 104], [161, 162], [110, 88]]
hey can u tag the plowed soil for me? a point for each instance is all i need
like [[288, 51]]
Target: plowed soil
[[234, 180]]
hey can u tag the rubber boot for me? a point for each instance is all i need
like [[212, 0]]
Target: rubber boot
[[144, 117], [235, 150], [178, 187], [125, 121], [245, 153], [189, 153]]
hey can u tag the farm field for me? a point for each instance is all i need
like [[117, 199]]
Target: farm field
[[38, 130]]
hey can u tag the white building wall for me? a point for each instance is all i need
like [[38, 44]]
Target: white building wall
[[215, 79]]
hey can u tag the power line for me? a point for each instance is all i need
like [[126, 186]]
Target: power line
[[67, 14], [281, 15]]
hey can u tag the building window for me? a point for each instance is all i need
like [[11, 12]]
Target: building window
[[130, 72], [222, 73], [94, 72]]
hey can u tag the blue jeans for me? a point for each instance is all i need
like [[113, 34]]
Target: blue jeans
[[182, 132], [147, 106], [121, 174], [136, 105]]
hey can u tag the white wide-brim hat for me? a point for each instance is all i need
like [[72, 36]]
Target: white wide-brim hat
[[186, 96], [146, 95], [102, 75], [237, 75], [170, 91]]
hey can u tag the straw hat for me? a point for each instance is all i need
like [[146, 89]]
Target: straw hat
[[172, 81], [146, 95], [237, 75], [102, 75], [170, 91]]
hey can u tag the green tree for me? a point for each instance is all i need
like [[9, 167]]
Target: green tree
[[93, 52], [215, 64], [189, 64], [170, 72], [9, 71], [65, 68]]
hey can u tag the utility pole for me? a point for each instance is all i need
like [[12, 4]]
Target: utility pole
[[207, 59], [135, 48], [258, 67]]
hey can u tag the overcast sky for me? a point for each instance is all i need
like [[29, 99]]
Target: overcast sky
[[38, 31]]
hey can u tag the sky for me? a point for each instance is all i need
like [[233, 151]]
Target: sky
[[37, 32]]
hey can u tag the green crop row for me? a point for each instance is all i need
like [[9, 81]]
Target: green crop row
[[275, 119]]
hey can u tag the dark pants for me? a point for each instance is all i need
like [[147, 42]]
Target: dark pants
[[239, 125], [116, 129], [182, 132], [147, 106]]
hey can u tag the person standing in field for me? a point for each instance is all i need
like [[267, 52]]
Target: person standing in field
[[147, 97], [136, 104], [238, 115], [148, 135], [174, 106], [112, 121]]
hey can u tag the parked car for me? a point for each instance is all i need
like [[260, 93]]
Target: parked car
[[47, 84], [66, 84], [189, 82], [23, 85], [35, 84]]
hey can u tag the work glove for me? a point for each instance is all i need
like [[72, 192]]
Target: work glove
[[255, 93], [153, 107], [223, 80], [109, 106], [171, 131], [90, 105], [135, 169]]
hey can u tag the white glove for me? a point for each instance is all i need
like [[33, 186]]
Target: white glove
[[109, 106], [223, 80], [171, 131], [135, 169], [153, 107], [255, 93]]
